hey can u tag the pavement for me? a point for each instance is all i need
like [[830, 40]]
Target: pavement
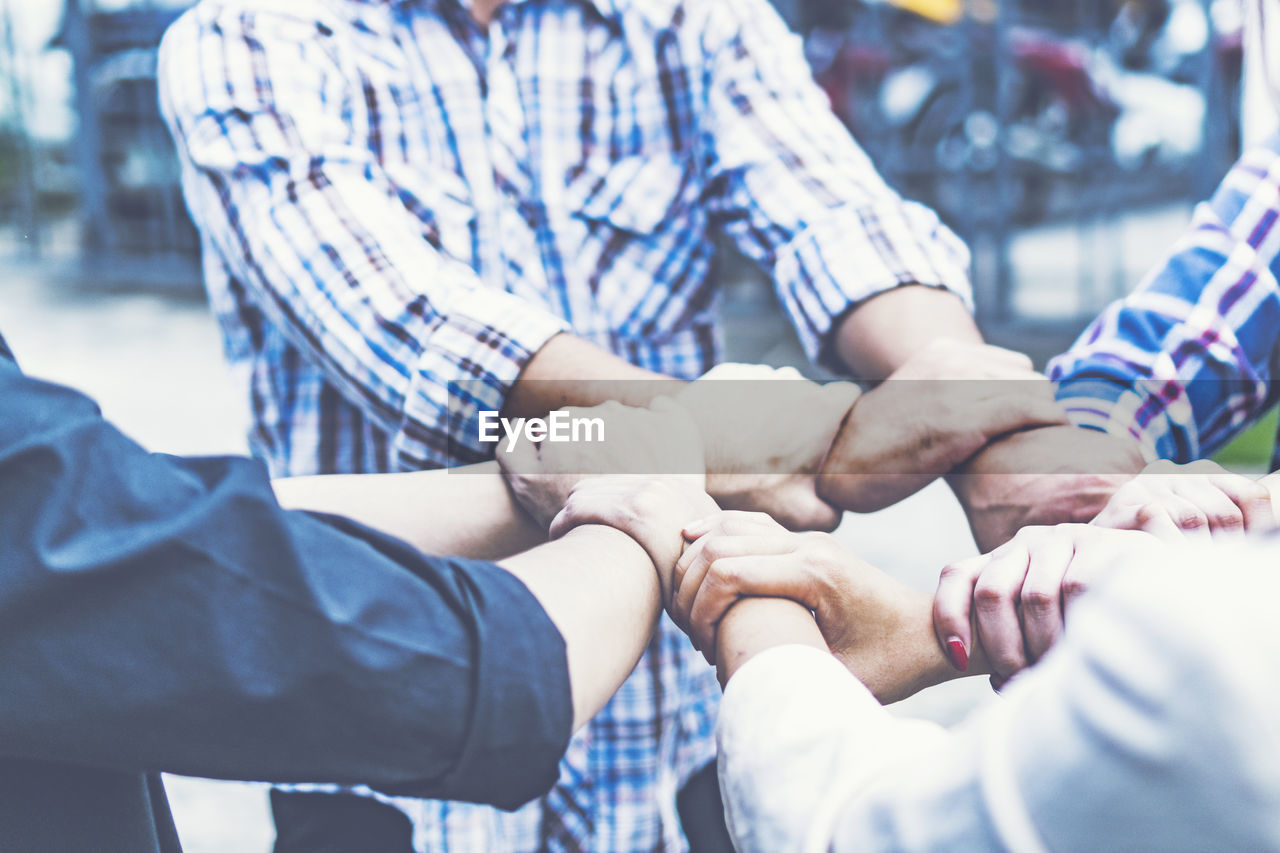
[[154, 364]]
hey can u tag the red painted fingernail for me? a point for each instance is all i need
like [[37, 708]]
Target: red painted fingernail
[[958, 653]]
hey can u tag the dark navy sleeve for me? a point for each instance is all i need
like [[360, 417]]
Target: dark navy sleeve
[[166, 614]]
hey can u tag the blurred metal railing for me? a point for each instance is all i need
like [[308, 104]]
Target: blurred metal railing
[[1001, 114]]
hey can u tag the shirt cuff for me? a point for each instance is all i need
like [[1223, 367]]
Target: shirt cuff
[[472, 360], [859, 252], [796, 730], [522, 716], [1129, 410]]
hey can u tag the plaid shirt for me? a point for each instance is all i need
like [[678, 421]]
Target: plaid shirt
[[1185, 362], [391, 199]]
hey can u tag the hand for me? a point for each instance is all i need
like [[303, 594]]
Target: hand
[[652, 511], [932, 414], [645, 480], [661, 440], [1052, 475], [1018, 595], [765, 440], [870, 621], [1200, 500]]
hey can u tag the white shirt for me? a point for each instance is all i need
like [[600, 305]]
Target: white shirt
[[1155, 725]]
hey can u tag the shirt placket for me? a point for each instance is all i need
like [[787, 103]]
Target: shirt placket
[[514, 247]]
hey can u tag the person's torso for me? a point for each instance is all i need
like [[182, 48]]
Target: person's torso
[[556, 155]]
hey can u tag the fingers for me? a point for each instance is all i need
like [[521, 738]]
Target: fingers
[[1184, 515], [1199, 500], [1253, 500], [698, 558], [521, 460], [733, 523], [1041, 596], [727, 580], [957, 360], [593, 501], [1215, 511], [1015, 410], [1014, 359], [995, 603], [952, 609], [1079, 578], [808, 512]]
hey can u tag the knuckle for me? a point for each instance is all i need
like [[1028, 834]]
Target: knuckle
[[1190, 519], [1253, 490], [1038, 600], [954, 571], [1229, 518], [723, 573], [1148, 513], [1073, 586], [714, 549], [1008, 662], [989, 597]]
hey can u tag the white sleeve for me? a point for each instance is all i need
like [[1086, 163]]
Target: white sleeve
[[1154, 725], [798, 737]]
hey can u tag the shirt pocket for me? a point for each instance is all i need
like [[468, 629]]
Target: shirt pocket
[[441, 200], [635, 227], [640, 194]]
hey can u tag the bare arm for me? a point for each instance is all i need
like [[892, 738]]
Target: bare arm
[[569, 371], [598, 586], [767, 464], [466, 512], [754, 625], [601, 590], [881, 334], [892, 666], [880, 629], [1050, 475]]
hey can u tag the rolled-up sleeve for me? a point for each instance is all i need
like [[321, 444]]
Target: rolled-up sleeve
[[166, 614], [270, 122], [1185, 362], [797, 194]]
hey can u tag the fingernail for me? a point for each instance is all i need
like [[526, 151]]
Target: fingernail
[[958, 653]]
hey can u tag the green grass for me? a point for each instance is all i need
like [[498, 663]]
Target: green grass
[[1252, 448]]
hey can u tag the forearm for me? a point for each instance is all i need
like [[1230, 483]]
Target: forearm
[[754, 625], [1051, 475], [568, 371], [109, 547], [467, 512], [601, 590], [906, 658], [875, 462], [879, 335], [899, 663]]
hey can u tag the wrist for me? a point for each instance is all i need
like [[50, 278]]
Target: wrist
[[659, 529], [755, 625]]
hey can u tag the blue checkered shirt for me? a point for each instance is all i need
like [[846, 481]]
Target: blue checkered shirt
[[391, 199], [1185, 362]]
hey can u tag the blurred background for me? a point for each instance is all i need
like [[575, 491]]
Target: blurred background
[[1066, 141]]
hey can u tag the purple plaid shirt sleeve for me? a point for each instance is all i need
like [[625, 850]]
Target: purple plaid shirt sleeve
[[291, 195], [796, 193], [1184, 363]]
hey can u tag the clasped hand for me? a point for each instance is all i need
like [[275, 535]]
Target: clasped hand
[[647, 480]]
